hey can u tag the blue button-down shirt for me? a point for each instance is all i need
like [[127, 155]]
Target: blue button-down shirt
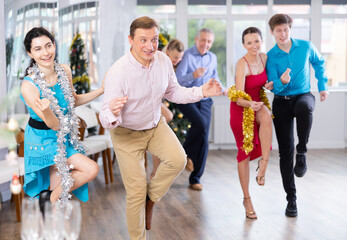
[[301, 54], [191, 61]]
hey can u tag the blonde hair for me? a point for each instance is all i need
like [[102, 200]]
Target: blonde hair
[[174, 44]]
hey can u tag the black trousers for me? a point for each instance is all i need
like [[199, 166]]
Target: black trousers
[[285, 110], [196, 143]]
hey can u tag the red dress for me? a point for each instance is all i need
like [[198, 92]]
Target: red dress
[[253, 85]]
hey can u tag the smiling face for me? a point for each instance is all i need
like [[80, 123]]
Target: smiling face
[[204, 42], [144, 44], [42, 51], [252, 43], [175, 56], [282, 34]]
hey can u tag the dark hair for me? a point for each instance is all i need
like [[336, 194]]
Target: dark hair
[[34, 33], [279, 19], [250, 30], [142, 22], [175, 44]]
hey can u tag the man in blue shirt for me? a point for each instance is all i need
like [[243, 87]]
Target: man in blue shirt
[[197, 67], [288, 68]]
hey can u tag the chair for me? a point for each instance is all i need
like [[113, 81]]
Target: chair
[[22, 119], [96, 106], [6, 174], [95, 144]]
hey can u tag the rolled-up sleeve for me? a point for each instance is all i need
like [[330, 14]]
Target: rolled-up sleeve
[[178, 94], [112, 90]]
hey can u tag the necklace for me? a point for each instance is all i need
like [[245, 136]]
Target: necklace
[[68, 125]]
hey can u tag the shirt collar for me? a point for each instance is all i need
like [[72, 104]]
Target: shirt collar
[[195, 51], [295, 44]]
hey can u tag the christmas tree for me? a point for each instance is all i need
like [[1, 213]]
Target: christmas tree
[[78, 65], [179, 124]]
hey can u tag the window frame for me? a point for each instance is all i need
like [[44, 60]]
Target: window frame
[[315, 17]]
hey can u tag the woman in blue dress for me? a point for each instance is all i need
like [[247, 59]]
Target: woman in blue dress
[[54, 163]]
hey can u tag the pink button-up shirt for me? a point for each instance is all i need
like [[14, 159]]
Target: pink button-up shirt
[[145, 88]]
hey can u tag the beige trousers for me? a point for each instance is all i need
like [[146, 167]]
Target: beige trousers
[[130, 147]]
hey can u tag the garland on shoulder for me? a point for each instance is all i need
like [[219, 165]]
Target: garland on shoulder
[[68, 125], [248, 116]]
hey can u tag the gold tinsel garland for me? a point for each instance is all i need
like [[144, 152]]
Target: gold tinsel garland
[[248, 116], [74, 39]]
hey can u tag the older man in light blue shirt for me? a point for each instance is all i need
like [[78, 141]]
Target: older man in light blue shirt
[[197, 67]]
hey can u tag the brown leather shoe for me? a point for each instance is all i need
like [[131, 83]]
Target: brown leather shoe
[[196, 186], [190, 165], [149, 213]]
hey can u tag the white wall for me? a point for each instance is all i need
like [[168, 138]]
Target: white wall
[[329, 129], [115, 20]]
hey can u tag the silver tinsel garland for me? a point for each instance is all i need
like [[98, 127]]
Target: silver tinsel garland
[[68, 125]]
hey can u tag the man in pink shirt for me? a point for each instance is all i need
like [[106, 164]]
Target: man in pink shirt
[[134, 88]]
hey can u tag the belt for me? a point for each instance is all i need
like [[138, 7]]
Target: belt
[[38, 124], [288, 97]]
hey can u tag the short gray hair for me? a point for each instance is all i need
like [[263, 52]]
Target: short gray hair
[[204, 30]]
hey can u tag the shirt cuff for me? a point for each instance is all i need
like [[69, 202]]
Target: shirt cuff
[[322, 86], [108, 120]]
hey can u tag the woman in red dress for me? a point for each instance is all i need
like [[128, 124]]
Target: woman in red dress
[[250, 78]]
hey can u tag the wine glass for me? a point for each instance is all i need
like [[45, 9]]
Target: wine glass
[[31, 220], [53, 229], [72, 219]]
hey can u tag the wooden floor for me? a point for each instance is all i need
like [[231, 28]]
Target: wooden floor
[[217, 213]]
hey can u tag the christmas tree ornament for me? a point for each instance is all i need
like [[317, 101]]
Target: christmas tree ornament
[[15, 186], [12, 125], [12, 158]]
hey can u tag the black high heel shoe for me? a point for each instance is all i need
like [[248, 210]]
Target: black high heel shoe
[[44, 195]]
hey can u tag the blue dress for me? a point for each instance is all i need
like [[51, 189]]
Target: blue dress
[[40, 147]]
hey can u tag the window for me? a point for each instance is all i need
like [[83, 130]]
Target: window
[[207, 7], [80, 17], [148, 7], [301, 29], [334, 6], [292, 6], [169, 26], [239, 26], [20, 22], [334, 41], [219, 44], [249, 7], [333, 48], [228, 18]]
